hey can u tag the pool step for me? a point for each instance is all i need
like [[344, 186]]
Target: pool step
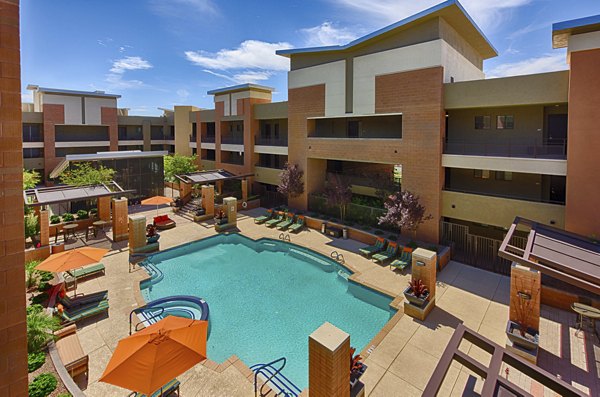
[[342, 274], [325, 264]]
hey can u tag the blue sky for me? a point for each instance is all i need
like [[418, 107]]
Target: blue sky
[[160, 53]]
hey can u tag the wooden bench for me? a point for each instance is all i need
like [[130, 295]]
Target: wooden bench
[[70, 351]]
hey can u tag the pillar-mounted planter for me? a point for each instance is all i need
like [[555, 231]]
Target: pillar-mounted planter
[[420, 293], [417, 300], [529, 340]]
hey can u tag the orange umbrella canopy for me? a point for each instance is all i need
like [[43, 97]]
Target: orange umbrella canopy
[[72, 259], [157, 200], [147, 360]]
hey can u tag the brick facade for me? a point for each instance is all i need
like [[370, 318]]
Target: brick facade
[[109, 117], [53, 114], [13, 337]]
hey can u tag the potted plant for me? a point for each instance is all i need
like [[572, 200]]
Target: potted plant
[[152, 235], [221, 219], [416, 293], [67, 217], [357, 367], [93, 212], [82, 214], [54, 219], [520, 332]]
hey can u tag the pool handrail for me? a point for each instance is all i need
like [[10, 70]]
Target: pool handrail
[[274, 375]]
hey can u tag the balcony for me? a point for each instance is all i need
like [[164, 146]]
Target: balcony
[[131, 137], [192, 138], [232, 140], [207, 139], [510, 148], [264, 141], [233, 160], [33, 136], [267, 175]]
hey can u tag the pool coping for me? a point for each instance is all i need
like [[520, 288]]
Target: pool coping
[[397, 304]]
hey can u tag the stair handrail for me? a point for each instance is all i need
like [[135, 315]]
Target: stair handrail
[[262, 369], [285, 237], [153, 316]]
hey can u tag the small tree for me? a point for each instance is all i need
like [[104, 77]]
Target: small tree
[[178, 164], [39, 328], [338, 192], [290, 184], [86, 174], [30, 179], [404, 211]]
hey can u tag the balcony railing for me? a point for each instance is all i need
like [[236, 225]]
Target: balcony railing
[[283, 141], [32, 136], [272, 166], [207, 139], [192, 138], [236, 161], [374, 180], [517, 148], [125, 137], [83, 136], [232, 140], [507, 196]]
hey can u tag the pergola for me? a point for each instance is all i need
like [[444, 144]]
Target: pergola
[[206, 177], [39, 197], [557, 253]]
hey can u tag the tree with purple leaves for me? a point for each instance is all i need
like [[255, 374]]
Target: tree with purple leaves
[[290, 184], [404, 211], [338, 192]]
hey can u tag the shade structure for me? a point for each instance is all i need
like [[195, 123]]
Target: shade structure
[[147, 360], [157, 200], [72, 259]]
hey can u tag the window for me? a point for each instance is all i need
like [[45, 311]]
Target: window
[[483, 122], [505, 122], [353, 128], [503, 176], [33, 153], [481, 174]]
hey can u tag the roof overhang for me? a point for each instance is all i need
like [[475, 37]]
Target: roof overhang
[[241, 87], [452, 11], [557, 253], [58, 91], [204, 177], [561, 31], [61, 194]]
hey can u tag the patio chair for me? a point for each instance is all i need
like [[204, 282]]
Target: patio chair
[[86, 271], [166, 390], [70, 351], [83, 312], [299, 224], [403, 261], [83, 300], [289, 221], [262, 219], [163, 222], [373, 249], [390, 252], [273, 222]]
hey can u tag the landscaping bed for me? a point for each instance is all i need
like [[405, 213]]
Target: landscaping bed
[[48, 368]]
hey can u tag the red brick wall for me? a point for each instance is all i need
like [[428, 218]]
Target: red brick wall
[[109, 117], [52, 115], [13, 340], [219, 126]]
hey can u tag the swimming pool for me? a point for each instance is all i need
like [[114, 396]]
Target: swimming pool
[[266, 297]]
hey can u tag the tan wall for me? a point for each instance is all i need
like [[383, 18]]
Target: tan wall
[[208, 164], [542, 88], [583, 178], [13, 338], [267, 111], [183, 129], [53, 114], [526, 186], [267, 175], [499, 211]]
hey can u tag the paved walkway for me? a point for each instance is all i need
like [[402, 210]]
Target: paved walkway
[[402, 362]]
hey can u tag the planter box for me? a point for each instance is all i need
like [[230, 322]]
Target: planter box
[[355, 376], [420, 302], [530, 341], [153, 239]]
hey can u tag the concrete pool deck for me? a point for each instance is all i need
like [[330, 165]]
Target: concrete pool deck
[[406, 352]]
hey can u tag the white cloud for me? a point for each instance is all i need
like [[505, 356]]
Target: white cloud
[[27, 97], [130, 63], [116, 81], [251, 54], [327, 34], [242, 77], [541, 64], [487, 14], [183, 8], [183, 94]]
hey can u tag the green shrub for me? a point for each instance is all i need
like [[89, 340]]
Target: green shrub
[[54, 219], [32, 225], [412, 244], [42, 385], [45, 276], [82, 214], [40, 328], [32, 276], [67, 217], [40, 298], [65, 394], [35, 360], [44, 286], [93, 211], [35, 308], [433, 248]]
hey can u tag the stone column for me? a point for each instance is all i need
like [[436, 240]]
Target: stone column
[[230, 204], [44, 228], [137, 232], [329, 362], [208, 199], [185, 190], [104, 208], [424, 269], [244, 189], [219, 185], [119, 219], [146, 134]]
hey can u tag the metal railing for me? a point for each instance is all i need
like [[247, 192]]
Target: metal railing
[[274, 378], [534, 148], [207, 138], [264, 141], [192, 138], [506, 196], [236, 161], [374, 180], [29, 136], [265, 165], [232, 140]]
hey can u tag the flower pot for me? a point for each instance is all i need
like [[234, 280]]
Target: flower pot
[[530, 341], [410, 297], [356, 374], [152, 239]]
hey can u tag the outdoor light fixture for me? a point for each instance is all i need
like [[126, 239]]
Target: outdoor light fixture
[[524, 295], [420, 263]]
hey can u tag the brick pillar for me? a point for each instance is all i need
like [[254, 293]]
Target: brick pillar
[[137, 232], [52, 114], [44, 221], [146, 133], [119, 219], [529, 282], [230, 204], [423, 268], [13, 337], [219, 185], [244, 189], [104, 208], [109, 117], [208, 199], [329, 362], [185, 190]]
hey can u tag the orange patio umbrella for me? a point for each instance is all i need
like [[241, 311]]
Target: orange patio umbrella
[[147, 360], [157, 200]]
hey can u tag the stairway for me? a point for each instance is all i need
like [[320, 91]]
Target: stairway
[[189, 210]]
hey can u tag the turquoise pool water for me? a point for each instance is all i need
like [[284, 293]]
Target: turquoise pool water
[[266, 297]]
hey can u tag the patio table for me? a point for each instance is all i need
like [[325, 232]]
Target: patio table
[[586, 311], [99, 225], [69, 229]]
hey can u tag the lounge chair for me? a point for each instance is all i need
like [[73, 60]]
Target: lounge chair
[[262, 219], [80, 313], [373, 249], [403, 261], [86, 271], [298, 225], [163, 222], [70, 351], [390, 252], [289, 221], [83, 300], [273, 222], [166, 390]]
